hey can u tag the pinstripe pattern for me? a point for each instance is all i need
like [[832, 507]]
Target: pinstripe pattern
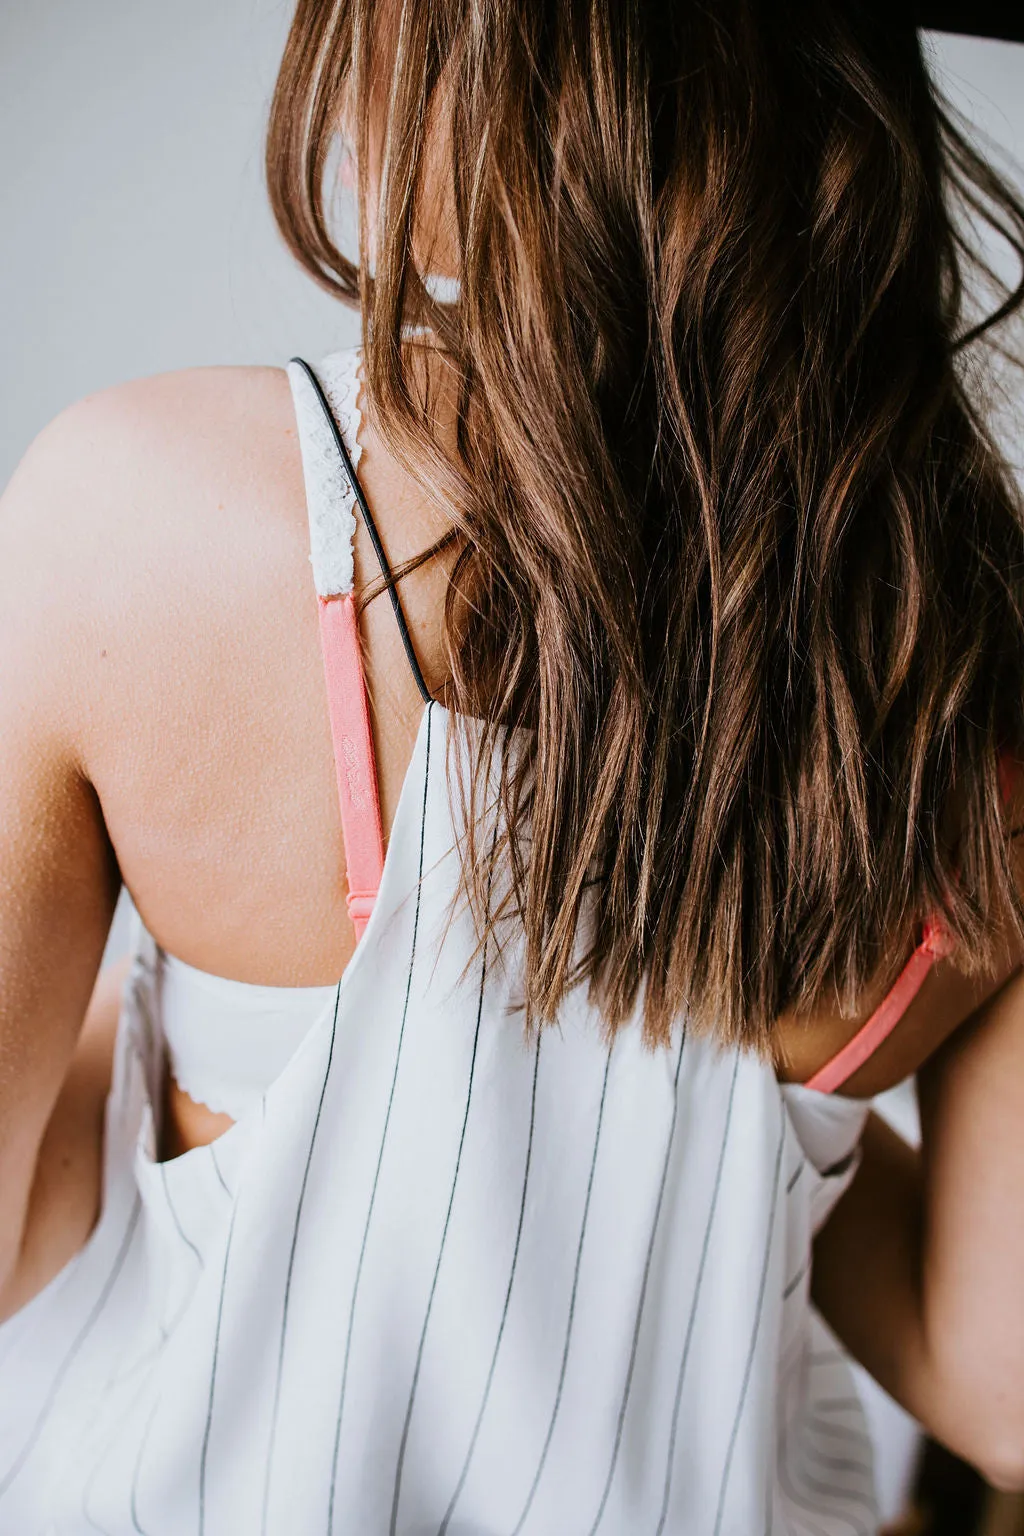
[[221, 1180], [126, 1415], [758, 1313], [614, 1461], [204, 1455], [384, 1132], [65, 1365], [453, 1502], [791, 1285], [804, 1491], [291, 1266], [137, 1471], [177, 1220], [438, 1278], [572, 1305], [695, 1301], [397, 1494]]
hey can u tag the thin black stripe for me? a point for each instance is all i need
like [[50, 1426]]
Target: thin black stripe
[[801, 1165], [216, 1168], [87, 1494], [138, 1468], [508, 1296], [213, 1377], [383, 1140], [291, 1266], [696, 1298], [847, 1431], [794, 1354], [790, 1489], [643, 1291], [769, 1506], [788, 1289], [397, 1493], [727, 1471], [371, 528], [838, 1463], [572, 1301], [126, 1413], [175, 1218], [814, 1510], [829, 1490], [77, 1344], [100, 1528], [165, 1329]]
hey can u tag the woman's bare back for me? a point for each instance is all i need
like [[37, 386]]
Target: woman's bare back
[[165, 725], [203, 723], [158, 538]]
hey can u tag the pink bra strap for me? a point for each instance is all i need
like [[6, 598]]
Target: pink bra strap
[[354, 759], [934, 945], [333, 494]]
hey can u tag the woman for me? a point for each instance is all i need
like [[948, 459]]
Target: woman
[[694, 716]]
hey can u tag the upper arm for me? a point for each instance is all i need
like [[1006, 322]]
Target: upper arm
[[919, 1268], [58, 875]]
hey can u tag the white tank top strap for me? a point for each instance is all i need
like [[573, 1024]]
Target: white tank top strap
[[330, 495], [227, 1041], [327, 408]]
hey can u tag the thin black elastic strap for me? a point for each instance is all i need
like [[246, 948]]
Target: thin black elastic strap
[[371, 528]]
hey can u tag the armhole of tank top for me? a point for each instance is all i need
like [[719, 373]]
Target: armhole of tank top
[[935, 944], [324, 421]]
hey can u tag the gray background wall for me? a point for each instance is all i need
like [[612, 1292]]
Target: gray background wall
[[135, 237], [134, 233]]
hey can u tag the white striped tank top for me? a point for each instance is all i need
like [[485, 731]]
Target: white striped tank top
[[437, 1278]]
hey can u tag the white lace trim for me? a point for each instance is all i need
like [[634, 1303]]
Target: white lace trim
[[221, 1098], [330, 499], [227, 1041]]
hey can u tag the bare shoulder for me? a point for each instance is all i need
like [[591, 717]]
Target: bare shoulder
[[158, 607], [122, 456], [129, 501], [219, 410]]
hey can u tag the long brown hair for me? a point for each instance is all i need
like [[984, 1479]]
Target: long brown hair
[[736, 546]]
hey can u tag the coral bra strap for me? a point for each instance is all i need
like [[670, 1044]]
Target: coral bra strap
[[332, 494], [935, 944], [354, 760]]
